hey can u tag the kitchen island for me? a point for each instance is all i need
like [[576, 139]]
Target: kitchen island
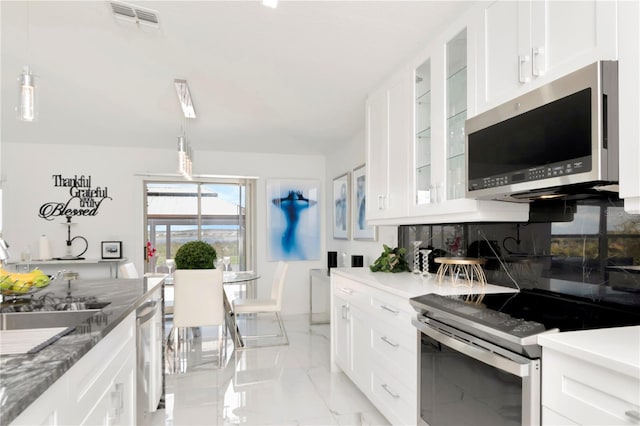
[[25, 377]]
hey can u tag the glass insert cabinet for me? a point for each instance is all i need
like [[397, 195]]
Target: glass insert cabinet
[[456, 94], [423, 134], [440, 113]]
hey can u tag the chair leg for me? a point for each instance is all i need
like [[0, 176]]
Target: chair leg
[[183, 349], [284, 331], [220, 344]]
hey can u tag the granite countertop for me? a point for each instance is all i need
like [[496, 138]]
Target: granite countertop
[[616, 348], [406, 284], [23, 378]]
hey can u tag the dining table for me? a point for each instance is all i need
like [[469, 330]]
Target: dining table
[[234, 278]]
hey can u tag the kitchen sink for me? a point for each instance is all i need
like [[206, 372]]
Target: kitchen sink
[[44, 319]]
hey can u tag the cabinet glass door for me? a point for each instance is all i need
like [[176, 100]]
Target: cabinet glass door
[[423, 133], [456, 102]]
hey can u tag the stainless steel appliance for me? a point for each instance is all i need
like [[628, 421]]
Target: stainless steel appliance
[[559, 139], [149, 374], [480, 362]]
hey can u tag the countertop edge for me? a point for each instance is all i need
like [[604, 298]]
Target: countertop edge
[[413, 284], [583, 345]]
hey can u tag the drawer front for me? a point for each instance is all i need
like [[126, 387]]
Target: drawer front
[[587, 393], [397, 356], [393, 311], [398, 403], [350, 291]]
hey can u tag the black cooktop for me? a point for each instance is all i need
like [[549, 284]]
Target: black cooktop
[[565, 312], [537, 309]]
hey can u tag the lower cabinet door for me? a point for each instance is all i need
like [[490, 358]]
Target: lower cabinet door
[[360, 348], [117, 403], [340, 325]]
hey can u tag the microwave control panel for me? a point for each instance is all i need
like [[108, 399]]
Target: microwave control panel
[[548, 171]]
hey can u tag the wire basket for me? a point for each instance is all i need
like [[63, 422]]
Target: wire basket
[[11, 285]]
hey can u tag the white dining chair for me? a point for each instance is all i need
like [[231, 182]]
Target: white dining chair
[[271, 305], [128, 270], [198, 302]]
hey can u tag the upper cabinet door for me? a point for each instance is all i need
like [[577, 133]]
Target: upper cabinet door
[[503, 70], [529, 43], [377, 110], [456, 114], [400, 139], [389, 119], [422, 142]]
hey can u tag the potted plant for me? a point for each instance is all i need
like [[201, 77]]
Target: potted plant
[[195, 255], [391, 260]]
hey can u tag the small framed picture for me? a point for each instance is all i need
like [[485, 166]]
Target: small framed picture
[[112, 249], [341, 211], [361, 231]]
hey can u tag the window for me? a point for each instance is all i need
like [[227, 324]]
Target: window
[[219, 213]]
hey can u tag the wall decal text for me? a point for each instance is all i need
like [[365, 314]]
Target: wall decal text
[[84, 199]]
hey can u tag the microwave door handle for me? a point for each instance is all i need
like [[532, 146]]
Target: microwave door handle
[[520, 369], [605, 121]]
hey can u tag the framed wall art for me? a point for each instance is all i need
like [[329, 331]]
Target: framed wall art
[[111, 249], [293, 219], [340, 207], [361, 231]]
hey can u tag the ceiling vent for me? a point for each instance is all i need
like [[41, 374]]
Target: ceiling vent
[[135, 14]]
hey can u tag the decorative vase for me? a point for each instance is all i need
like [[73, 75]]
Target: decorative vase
[[416, 257]]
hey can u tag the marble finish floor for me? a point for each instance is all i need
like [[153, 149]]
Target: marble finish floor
[[277, 385]]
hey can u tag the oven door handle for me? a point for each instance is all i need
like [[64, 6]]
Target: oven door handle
[[519, 366]]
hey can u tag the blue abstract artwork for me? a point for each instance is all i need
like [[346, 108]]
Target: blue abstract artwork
[[293, 219]]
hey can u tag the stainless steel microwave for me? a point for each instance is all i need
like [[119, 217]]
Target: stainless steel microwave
[[560, 136]]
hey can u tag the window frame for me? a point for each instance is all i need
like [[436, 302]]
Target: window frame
[[248, 188]]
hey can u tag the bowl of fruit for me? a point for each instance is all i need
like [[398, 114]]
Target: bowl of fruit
[[21, 283]]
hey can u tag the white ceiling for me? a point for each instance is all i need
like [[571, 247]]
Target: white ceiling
[[287, 80]]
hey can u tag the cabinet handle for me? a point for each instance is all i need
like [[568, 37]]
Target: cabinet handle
[[380, 202], [345, 312], [633, 414], [386, 308], [522, 59], [389, 342], [117, 402], [346, 290], [390, 392], [538, 61]]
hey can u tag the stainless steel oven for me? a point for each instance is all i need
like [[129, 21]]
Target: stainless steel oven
[[480, 361], [469, 381]]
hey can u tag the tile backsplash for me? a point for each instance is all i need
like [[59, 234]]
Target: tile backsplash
[[594, 252]]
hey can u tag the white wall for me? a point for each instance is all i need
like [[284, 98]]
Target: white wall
[[351, 156], [27, 171]]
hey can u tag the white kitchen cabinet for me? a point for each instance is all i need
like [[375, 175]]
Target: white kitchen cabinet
[[388, 124], [586, 393], [528, 43], [350, 331], [629, 70], [375, 345], [591, 377], [98, 389]]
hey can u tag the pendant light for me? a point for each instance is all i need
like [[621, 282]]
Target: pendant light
[[27, 95], [26, 86], [184, 157]]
